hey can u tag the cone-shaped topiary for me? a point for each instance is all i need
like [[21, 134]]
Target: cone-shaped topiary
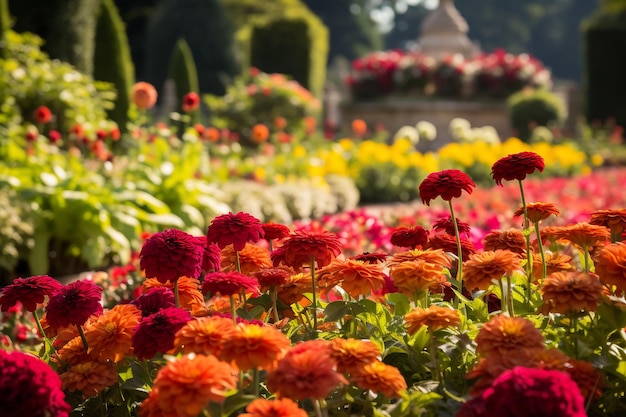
[[184, 74]]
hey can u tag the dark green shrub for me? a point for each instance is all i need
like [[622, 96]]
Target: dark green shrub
[[292, 41], [29, 79], [531, 108], [207, 29], [5, 25], [112, 60], [605, 65], [184, 74], [68, 26]]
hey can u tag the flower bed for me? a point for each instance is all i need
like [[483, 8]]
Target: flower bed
[[262, 319]]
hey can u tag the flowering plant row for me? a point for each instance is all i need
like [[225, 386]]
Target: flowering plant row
[[492, 75], [257, 319]]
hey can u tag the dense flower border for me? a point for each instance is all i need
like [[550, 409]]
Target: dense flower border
[[524, 324], [489, 75]]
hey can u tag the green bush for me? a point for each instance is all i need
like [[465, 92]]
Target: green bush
[[5, 25], [184, 74], [207, 29], [112, 60], [29, 79], [605, 64], [531, 108], [261, 98]]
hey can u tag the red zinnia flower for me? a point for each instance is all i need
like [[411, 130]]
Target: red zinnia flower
[[212, 257], [446, 184], [236, 229], [229, 283], [447, 243], [516, 166], [73, 304], [301, 246], [29, 387], [409, 237], [273, 277], [156, 332], [521, 392], [154, 300], [191, 101], [42, 115], [28, 291], [275, 231], [447, 225], [171, 254]]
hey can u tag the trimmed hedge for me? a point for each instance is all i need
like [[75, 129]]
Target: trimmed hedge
[[184, 74]]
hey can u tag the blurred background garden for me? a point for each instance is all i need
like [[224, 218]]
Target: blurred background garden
[[123, 117]]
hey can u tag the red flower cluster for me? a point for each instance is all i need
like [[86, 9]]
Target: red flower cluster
[[156, 332], [301, 246], [516, 166], [212, 257], [523, 392], [234, 229], [73, 304], [447, 184], [229, 283], [409, 237], [171, 254], [28, 291], [29, 387]]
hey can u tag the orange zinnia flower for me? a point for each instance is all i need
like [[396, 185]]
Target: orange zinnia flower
[[90, 378], [483, 268], [144, 95], [189, 295], [565, 292], [503, 335], [280, 407], [433, 256], [489, 368], [584, 235], [381, 378], [434, 317], [413, 277], [555, 262], [447, 243], [301, 247], [352, 354], [538, 211], [205, 335], [512, 239], [291, 291], [613, 219], [590, 381], [150, 406], [610, 263], [306, 371], [110, 337], [72, 353], [186, 385], [252, 258], [359, 127], [259, 133], [355, 277], [254, 347]]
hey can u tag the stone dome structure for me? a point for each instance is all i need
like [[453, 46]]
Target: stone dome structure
[[444, 32]]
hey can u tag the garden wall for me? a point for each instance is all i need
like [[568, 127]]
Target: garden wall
[[393, 114]]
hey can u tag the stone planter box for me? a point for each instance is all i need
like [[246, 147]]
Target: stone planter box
[[394, 114]]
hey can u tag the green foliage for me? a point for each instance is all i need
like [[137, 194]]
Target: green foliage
[[112, 60], [5, 25], [16, 231], [68, 26], [261, 98], [605, 37], [284, 40], [29, 79], [531, 108], [184, 74], [207, 29]]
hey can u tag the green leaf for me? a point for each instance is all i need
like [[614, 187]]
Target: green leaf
[[38, 258], [400, 302], [336, 311]]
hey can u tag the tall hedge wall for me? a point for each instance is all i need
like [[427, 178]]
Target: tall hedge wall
[[605, 66]]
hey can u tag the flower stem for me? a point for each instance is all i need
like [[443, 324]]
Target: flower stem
[[314, 297], [529, 259], [459, 261], [586, 250], [176, 302], [233, 312], [509, 295], [255, 381], [541, 251], [274, 295], [82, 336], [237, 262]]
